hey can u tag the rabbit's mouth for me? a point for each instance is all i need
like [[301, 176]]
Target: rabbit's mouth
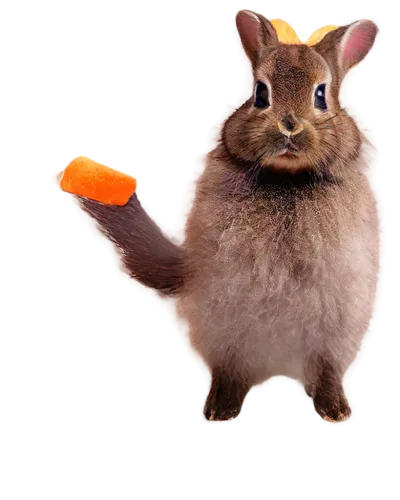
[[288, 150]]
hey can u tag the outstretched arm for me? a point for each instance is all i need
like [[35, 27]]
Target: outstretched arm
[[108, 201]]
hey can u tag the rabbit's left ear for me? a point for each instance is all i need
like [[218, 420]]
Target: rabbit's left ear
[[348, 45]]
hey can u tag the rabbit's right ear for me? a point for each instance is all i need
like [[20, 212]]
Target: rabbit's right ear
[[256, 33]]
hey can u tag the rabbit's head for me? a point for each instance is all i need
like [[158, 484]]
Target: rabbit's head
[[293, 120]]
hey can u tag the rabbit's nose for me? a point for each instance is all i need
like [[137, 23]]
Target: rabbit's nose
[[290, 125]]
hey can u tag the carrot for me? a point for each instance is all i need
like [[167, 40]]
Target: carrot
[[97, 181], [286, 33], [319, 34]]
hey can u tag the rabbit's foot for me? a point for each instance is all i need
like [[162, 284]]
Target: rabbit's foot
[[332, 407], [225, 398]]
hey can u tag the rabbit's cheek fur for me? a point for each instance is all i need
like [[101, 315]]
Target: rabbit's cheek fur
[[251, 136]]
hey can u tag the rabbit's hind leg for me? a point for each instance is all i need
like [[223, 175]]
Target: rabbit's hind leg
[[329, 392], [226, 395]]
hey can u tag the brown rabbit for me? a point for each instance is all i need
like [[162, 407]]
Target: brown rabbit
[[278, 271]]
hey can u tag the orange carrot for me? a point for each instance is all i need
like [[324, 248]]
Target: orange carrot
[[97, 181]]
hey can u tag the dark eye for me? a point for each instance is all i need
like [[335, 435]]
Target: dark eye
[[319, 98], [261, 96]]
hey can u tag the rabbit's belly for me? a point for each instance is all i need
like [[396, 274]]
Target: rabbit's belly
[[268, 314], [269, 335], [267, 321]]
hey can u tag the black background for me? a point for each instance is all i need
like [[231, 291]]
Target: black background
[[143, 92]]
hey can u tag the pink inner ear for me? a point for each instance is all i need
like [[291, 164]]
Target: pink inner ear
[[249, 30], [357, 43]]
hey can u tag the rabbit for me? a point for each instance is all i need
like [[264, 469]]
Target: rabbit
[[278, 270]]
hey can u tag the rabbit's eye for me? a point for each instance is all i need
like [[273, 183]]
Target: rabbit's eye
[[319, 98], [261, 99]]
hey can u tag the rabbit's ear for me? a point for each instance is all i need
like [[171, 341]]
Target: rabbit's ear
[[256, 32], [359, 42], [349, 44]]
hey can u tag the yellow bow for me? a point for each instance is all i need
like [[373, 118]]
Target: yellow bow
[[286, 33]]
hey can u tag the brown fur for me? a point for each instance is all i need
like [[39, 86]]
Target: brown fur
[[278, 271], [146, 254]]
